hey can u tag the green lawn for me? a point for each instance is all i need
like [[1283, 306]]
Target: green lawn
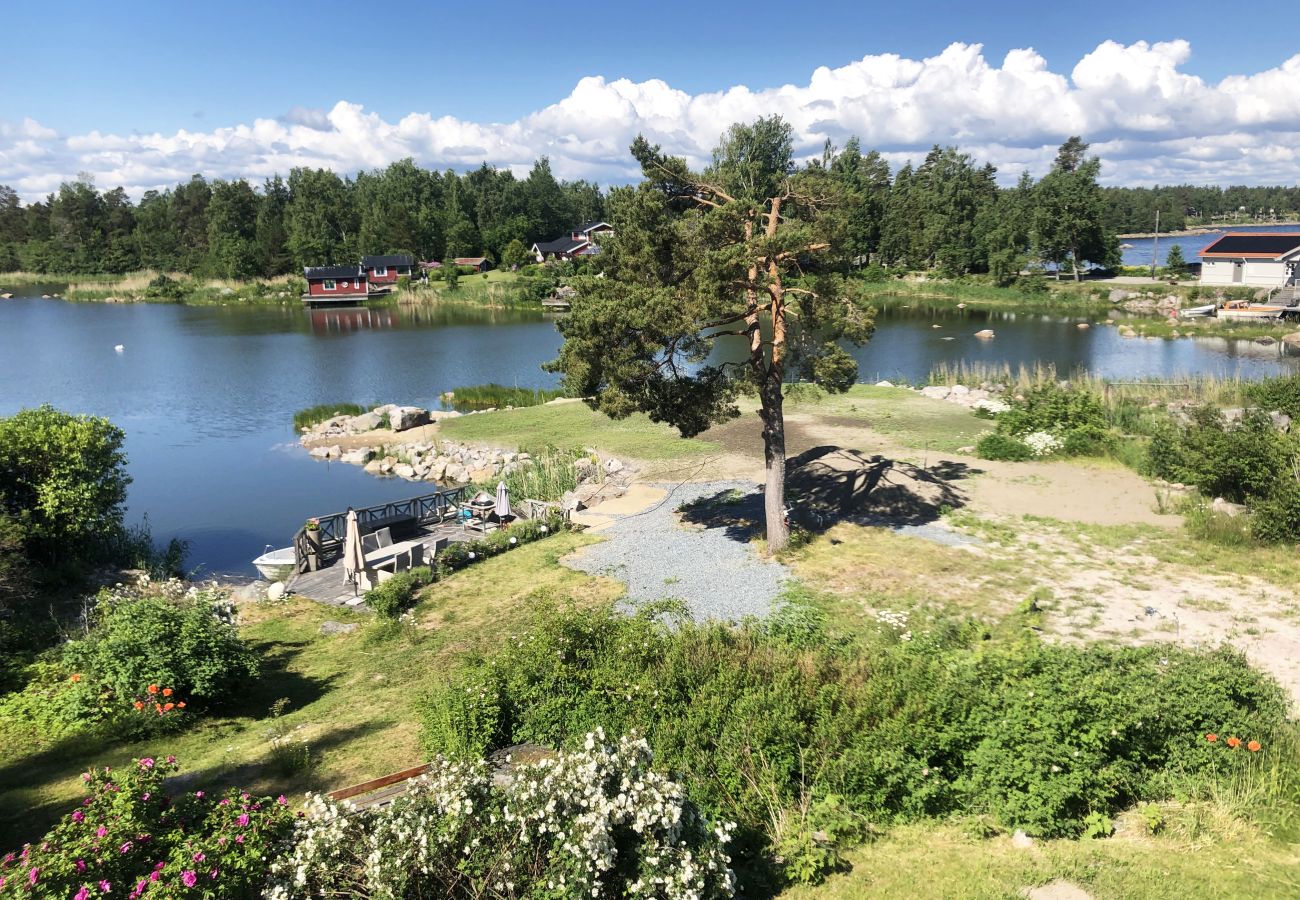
[[575, 425], [938, 861], [913, 421]]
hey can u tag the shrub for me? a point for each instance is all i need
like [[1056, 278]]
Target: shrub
[[875, 274], [151, 658], [130, 837], [395, 596], [1234, 461], [1000, 446], [460, 554], [597, 822], [1275, 519], [163, 288], [909, 721], [1281, 394], [1052, 408], [63, 479], [314, 415]]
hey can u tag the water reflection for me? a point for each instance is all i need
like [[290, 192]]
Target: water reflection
[[354, 318]]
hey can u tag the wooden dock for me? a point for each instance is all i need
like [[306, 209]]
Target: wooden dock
[[328, 584]]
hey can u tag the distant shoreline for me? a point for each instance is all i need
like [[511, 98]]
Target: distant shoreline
[[1206, 229]]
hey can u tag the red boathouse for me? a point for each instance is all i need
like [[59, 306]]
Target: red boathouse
[[335, 284], [387, 269]]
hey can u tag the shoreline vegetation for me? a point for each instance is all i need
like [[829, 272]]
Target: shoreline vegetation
[[526, 288], [1208, 229]]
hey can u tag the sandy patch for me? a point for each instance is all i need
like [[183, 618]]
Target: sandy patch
[[1058, 890], [1070, 491]]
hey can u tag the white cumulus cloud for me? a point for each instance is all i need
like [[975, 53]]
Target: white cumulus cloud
[[1150, 121]]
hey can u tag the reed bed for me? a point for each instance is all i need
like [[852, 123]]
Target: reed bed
[[496, 396], [553, 473]]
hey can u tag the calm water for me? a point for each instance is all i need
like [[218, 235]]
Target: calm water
[[1139, 253], [206, 395]]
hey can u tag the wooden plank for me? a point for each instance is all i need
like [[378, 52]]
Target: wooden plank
[[367, 786]]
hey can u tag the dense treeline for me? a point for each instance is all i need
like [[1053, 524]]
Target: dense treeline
[[229, 229], [946, 214], [1133, 210]]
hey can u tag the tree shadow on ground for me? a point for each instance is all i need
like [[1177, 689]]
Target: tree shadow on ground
[[828, 485]]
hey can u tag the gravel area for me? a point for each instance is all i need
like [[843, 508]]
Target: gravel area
[[716, 575]]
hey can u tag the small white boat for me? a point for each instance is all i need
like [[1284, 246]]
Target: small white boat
[[275, 565], [1193, 312]]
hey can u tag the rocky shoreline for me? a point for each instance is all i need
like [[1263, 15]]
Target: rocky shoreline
[[415, 456]]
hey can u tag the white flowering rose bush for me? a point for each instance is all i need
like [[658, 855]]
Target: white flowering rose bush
[[596, 822], [1042, 443]]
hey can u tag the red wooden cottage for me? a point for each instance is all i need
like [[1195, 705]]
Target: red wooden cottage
[[335, 283], [387, 269], [476, 262]]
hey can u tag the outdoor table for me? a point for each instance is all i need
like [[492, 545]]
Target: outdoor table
[[392, 551]]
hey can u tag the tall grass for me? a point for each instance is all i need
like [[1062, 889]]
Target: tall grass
[[553, 472], [496, 396], [314, 415], [1198, 390]]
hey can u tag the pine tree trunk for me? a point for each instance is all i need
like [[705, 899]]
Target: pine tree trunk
[[773, 415]]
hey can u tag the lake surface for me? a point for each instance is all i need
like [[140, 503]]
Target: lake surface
[[1139, 251], [206, 395]]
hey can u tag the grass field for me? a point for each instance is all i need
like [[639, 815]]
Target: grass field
[[913, 421], [575, 425]]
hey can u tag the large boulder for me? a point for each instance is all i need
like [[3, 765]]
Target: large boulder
[[1292, 340], [984, 334], [1119, 296], [402, 470], [936, 392], [404, 417], [365, 422], [359, 456]]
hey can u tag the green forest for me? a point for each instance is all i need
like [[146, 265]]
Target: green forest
[[947, 214]]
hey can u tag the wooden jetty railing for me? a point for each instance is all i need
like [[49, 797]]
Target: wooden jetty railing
[[416, 511]]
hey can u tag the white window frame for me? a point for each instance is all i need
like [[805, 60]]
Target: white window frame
[[331, 284], [381, 271]]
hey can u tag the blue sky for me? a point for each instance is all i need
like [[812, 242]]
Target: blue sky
[[161, 66], [140, 93]]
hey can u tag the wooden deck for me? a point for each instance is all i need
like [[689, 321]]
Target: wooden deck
[[330, 586]]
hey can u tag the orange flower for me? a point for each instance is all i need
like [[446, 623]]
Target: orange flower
[[76, 678], [1234, 742], [138, 704], [153, 689], [181, 704], [158, 706], [1254, 747], [167, 692], [1211, 737], [169, 706]]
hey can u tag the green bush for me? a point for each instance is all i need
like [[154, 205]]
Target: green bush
[[1281, 394], [314, 415], [1054, 409], [460, 554], [133, 834], [1275, 519], [1236, 461], [63, 480], [150, 660], [913, 720], [995, 445], [395, 596]]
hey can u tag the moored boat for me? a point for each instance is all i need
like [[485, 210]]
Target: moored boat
[[1242, 309], [275, 565], [1193, 312]]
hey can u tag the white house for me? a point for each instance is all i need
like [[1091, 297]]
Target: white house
[[581, 241], [1256, 258]]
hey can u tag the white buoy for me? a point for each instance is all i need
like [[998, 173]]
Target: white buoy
[[119, 348]]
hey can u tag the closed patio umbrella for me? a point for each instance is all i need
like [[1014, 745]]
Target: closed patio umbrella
[[354, 558], [503, 501]]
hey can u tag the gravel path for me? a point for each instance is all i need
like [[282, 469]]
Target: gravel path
[[716, 575]]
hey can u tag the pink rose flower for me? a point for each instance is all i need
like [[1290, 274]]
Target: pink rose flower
[[83, 894], [78, 816], [101, 831], [242, 821], [198, 794], [125, 848], [282, 800], [239, 839], [105, 886], [32, 875], [81, 865], [188, 878], [199, 857], [171, 759]]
